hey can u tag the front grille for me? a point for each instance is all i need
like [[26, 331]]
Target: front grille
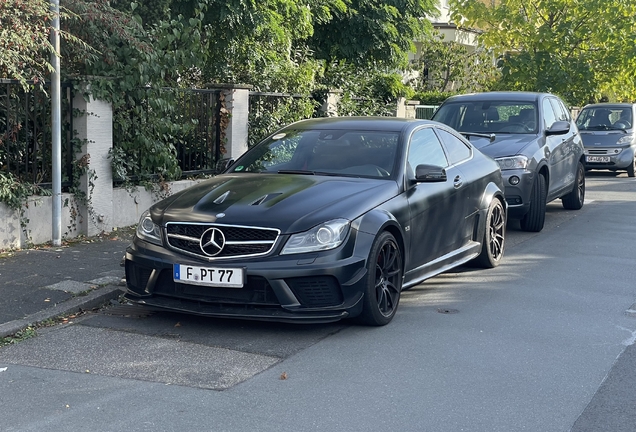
[[319, 291], [240, 241], [597, 151], [256, 291]]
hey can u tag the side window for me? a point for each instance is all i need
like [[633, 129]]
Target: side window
[[548, 113], [456, 150], [565, 109], [559, 110], [425, 148]]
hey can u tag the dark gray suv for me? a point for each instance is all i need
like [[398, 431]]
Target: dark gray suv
[[535, 141]]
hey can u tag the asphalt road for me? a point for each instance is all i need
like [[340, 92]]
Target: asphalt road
[[544, 342]]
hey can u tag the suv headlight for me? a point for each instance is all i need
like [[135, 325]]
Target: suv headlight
[[325, 236], [513, 162], [148, 230]]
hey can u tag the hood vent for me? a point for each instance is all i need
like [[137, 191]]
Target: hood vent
[[222, 198], [265, 198]]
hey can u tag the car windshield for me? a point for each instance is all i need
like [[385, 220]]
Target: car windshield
[[325, 152], [489, 116], [605, 118]]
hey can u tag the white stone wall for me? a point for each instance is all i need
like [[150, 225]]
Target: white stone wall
[[126, 208]]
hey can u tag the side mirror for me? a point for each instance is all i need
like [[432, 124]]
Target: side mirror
[[222, 165], [430, 174], [558, 128]]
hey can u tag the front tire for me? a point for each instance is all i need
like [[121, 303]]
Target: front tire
[[492, 246], [574, 200], [534, 220], [384, 281]]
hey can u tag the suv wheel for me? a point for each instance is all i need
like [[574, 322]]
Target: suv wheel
[[535, 218], [574, 200]]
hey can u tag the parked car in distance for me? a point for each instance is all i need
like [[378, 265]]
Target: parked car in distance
[[535, 141], [607, 130], [325, 219]]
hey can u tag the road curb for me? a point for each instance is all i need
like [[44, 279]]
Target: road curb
[[92, 300]]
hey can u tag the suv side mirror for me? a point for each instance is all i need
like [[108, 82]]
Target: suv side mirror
[[222, 165], [558, 128]]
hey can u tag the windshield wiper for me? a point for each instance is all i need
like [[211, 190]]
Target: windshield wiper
[[306, 172], [490, 136]]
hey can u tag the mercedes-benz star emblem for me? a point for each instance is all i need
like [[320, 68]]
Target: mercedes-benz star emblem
[[212, 242]]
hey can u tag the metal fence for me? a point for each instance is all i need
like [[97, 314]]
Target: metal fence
[[25, 133], [425, 112], [188, 119]]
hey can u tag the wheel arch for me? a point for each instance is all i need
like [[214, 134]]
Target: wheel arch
[[378, 220]]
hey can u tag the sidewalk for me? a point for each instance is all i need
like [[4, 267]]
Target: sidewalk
[[41, 283]]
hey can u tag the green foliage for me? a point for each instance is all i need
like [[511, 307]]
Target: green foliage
[[25, 49], [432, 97], [14, 192], [371, 33], [579, 49], [450, 66], [269, 113]]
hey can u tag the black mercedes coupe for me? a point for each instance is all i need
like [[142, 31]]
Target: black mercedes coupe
[[325, 219]]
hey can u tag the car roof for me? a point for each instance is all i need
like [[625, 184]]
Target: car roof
[[500, 96], [389, 124], [610, 105]]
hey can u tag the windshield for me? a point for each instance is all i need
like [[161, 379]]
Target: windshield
[[325, 152], [605, 118], [489, 116]]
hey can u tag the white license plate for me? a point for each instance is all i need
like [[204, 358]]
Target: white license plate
[[220, 277], [597, 158]]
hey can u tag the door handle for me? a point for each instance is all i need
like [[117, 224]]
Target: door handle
[[458, 182]]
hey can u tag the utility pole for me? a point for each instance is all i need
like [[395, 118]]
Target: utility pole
[[56, 126]]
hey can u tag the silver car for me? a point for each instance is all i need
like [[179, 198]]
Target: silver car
[[535, 141], [608, 135]]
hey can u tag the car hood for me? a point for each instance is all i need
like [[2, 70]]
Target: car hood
[[291, 203], [602, 138], [504, 144]]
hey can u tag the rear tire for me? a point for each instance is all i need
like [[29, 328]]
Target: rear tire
[[492, 246], [384, 281], [574, 200], [534, 220]]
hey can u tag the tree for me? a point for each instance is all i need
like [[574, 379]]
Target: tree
[[371, 33], [579, 49], [25, 49], [450, 66]]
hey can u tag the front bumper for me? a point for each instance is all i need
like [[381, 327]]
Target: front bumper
[[620, 161], [316, 287], [518, 195]]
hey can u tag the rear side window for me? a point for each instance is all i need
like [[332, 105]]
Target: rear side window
[[456, 150]]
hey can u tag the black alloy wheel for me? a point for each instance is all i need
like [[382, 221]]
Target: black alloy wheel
[[575, 199], [534, 220], [492, 247], [384, 281]]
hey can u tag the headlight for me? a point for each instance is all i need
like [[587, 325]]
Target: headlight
[[514, 162], [627, 139], [148, 230], [325, 236]]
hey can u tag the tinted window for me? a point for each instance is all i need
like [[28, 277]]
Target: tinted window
[[426, 149], [489, 116], [548, 114], [341, 152], [456, 150]]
